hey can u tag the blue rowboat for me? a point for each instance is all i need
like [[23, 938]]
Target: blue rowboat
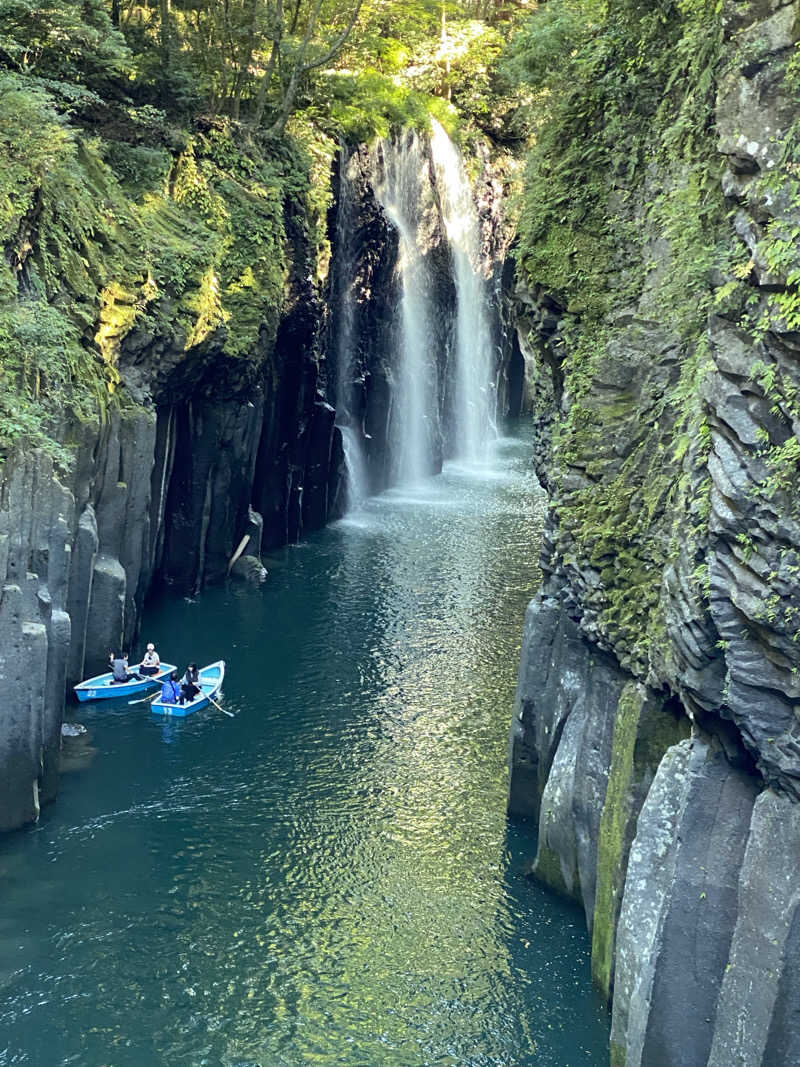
[[103, 686], [210, 684]]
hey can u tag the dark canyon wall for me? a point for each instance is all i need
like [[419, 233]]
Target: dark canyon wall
[[210, 449], [656, 734]]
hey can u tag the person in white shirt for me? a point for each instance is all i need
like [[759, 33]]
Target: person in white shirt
[[151, 662]]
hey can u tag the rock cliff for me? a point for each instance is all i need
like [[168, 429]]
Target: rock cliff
[[656, 734], [210, 449]]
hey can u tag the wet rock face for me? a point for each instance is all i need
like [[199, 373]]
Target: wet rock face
[[677, 639], [366, 292], [364, 295]]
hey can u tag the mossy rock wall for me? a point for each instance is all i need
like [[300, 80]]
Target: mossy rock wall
[[670, 450], [643, 731]]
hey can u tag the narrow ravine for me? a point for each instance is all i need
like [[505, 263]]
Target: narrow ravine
[[330, 876]]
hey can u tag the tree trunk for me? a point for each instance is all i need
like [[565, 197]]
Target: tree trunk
[[266, 78]]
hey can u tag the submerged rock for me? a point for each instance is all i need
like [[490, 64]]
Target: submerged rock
[[249, 569], [73, 729], [77, 753]]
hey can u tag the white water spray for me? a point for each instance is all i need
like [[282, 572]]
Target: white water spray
[[347, 401], [474, 401], [399, 170]]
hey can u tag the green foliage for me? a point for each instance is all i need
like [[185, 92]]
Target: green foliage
[[49, 216], [189, 244], [43, 371], [65, 41], [367, 105], [619, 174], [151, 189], [599, 72]]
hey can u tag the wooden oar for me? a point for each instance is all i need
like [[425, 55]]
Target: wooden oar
[[242, 546], [141, 700], [224, 712], [155, 696]]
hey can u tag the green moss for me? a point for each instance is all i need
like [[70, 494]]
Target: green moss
[[623, 212], [643, 731], [115, 236], [547, 869]]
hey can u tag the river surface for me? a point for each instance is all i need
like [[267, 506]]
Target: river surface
[[329, 877]]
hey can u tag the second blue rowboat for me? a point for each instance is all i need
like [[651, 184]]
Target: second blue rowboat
[[103, 686], [210, 679]]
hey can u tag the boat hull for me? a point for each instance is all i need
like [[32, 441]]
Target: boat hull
[[102, 686], [211, 678]]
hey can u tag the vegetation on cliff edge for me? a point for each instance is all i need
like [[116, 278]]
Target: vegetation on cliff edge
[[621, 220], [157, 152]]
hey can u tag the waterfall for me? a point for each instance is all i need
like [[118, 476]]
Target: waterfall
[[400, 176], [474, 398], [413, 344], [347, 386]]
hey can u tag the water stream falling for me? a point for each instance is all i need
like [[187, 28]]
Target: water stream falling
[[348, 416], [400, 173], [473, 417], [436, 358]]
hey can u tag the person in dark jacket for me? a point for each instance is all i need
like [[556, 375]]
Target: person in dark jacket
[[190, 683], [170, 690], [119, 668]]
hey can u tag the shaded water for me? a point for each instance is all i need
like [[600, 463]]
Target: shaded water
[[329, 877]]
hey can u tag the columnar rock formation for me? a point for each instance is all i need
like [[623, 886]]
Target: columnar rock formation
[[656, 735], [164, 492]]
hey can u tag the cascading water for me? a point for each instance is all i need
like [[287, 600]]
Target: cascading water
[[399, 174], [348, 417], [474, 398], [416, 330]]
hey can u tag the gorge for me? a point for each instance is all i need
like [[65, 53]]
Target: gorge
[[319, 338]]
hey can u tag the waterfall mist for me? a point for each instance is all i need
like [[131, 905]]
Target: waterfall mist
[[347, 378], [473, 410], [400, 173]]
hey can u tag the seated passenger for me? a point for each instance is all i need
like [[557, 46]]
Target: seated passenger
[[190, 683], [119, 668], [170, 690], [151, 662]]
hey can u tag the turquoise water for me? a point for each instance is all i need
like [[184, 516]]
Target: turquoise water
[[328, 877]]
